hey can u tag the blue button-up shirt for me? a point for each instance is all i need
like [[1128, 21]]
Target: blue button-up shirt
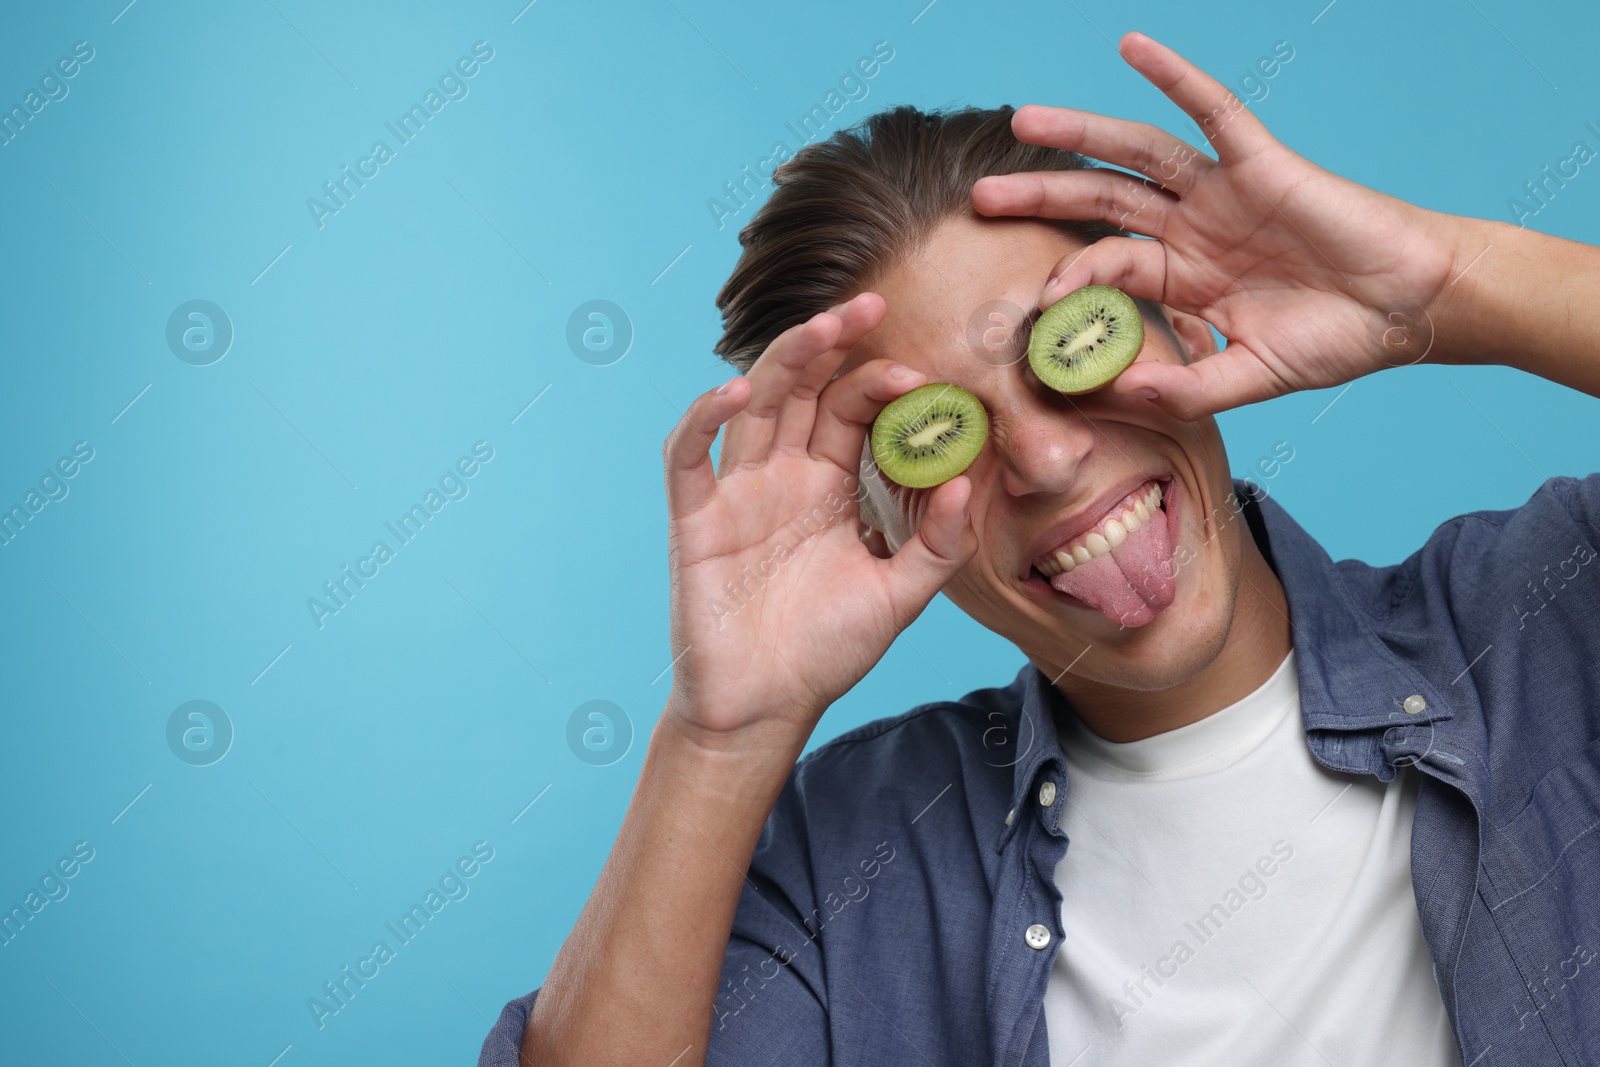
[[892, 908]]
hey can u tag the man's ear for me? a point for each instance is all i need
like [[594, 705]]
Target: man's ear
[[1193, 332], [874, 539]]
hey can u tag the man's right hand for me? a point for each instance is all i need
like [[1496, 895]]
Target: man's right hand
[[778, 607]]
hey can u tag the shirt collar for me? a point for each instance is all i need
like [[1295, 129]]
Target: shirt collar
[[1353, 686], [1350, 679]]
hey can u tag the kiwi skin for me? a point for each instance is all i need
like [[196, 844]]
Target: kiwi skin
[[1105, 359], [952, 420]]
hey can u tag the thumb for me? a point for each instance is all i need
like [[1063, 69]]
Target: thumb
[[1226, 379], [944, 542]]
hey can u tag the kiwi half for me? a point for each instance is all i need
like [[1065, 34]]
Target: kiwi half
[[1085, 339], [929, 435]]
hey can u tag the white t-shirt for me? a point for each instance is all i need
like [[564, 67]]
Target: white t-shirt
[[1227, 900]]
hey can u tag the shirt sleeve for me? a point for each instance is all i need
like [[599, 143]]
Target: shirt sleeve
[[1521, 589], [1540, 568], [771, 1005], [769, 1008], [765, 1012], [504, 1044]]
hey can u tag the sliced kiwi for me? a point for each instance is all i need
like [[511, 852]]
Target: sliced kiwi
[[929, 435], [1085, 339]]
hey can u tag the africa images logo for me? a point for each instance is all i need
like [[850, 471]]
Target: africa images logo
[[452, 86], [452, 886], [452, 485], [740, 191]]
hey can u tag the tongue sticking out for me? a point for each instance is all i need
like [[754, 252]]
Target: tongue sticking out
[[1131, 584]]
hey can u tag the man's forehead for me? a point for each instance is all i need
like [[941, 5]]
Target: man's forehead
[[937, 295]]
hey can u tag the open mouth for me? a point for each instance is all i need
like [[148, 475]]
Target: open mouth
[[1120, 566]]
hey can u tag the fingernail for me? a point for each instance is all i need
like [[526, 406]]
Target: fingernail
[[900, 374], [1146, 392], [723, 388]]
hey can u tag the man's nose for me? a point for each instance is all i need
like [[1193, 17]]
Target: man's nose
[[1041, 446]]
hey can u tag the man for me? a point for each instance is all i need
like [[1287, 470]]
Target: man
[[1243, 805]]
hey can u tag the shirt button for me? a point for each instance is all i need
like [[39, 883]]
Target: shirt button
[[1414, 704], [1037, 936], [1047, 794], [1011, 816]]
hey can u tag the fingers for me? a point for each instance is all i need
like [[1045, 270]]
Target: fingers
[[749, 438], [798, 415], [777, 376], [848, 406], [687, 451], [1233, 130], [1230, 126], [1135, 146], [1104, 195], [1136, 266], [944, 542], [1227, 379]]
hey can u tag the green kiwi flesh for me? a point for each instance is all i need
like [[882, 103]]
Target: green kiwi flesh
[[929, 435], [1085, 339]]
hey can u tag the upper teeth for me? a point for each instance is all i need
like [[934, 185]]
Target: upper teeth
[[1112, 531]]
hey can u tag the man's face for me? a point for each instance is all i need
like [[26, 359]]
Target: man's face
[[1055, 467]]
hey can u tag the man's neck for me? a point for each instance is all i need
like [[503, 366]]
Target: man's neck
[[1256, 645]]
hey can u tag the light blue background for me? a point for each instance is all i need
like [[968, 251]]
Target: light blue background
[[429, 712]]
